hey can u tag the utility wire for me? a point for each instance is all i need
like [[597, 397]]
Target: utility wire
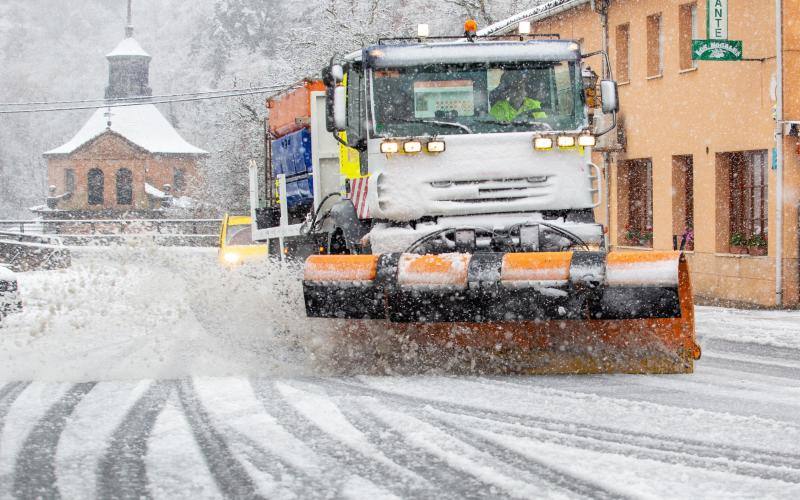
[[150, 100], [139, 98]]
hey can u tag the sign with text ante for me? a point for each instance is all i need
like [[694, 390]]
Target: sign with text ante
[[717, 18]]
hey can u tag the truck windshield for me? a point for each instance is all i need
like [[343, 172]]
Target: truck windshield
[[468, 98]]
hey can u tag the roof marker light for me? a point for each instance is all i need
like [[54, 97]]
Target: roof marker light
[[423, 31], [524, 27]]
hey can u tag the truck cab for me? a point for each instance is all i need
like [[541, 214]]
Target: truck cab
[[478, 138]]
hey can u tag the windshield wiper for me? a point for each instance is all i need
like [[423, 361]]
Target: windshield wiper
[[435, 122]]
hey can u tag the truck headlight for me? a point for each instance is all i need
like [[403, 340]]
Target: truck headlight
[[389, 147], [542, 143], [587, 140], [566, 141], [436, 146], [412, 147]]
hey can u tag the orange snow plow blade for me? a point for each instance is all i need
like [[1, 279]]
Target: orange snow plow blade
[[564, 312]]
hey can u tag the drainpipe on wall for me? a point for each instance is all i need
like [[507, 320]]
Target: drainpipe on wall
[[779, 154], [602, 9]]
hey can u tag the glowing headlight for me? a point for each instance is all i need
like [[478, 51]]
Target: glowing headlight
[[412, 147], [587, 141], [435, 146], [388, 147], [542, 143], [566, 141], [231, 257]]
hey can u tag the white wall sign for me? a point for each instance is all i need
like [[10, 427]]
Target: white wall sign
[[717, 17]]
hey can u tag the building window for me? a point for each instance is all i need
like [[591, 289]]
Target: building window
[[748, 181], [687, 19], [742, 180], [96, 185], [655, 46], [635, 195], [124, 187], [683, 201], [69, 181], [623, 53], [179, 179]]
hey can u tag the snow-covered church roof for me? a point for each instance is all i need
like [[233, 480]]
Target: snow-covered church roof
[[143, 125], [128, 47]]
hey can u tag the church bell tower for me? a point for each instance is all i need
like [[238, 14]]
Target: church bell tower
[[128, 67]]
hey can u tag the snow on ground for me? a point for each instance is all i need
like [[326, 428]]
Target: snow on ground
[[150, 312], [157, 373]]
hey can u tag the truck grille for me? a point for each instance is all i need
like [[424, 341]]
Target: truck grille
[[491, 190]]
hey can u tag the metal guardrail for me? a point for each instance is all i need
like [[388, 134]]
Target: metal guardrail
[[180, 232], [93, 224]]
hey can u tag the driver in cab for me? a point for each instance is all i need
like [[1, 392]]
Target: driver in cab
[[511, 102]]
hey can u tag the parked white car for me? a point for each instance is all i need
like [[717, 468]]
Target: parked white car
[[10, 299]]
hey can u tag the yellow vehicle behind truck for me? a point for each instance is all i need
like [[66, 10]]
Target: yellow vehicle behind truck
[[236, 245]]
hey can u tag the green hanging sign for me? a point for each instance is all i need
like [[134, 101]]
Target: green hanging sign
[[717, 50]]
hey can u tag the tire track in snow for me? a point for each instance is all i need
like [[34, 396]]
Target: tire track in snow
[[332, 448], [657, 442], [121, 472], [745, 461], [35, 468], [478, 425], [750, 365], [8, 394], [229, 474], [453, 483], [563, 480], [258, 439]]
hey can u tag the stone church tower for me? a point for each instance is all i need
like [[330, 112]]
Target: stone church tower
[[127, 160]]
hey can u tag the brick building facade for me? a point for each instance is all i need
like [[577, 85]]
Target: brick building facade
[[127, 160]]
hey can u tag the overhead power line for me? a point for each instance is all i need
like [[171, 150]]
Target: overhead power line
[[139, 98], [147, 100]]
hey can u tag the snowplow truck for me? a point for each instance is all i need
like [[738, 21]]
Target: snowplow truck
[[462, 212]]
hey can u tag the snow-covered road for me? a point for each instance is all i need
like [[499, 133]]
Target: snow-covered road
[[149, 372]]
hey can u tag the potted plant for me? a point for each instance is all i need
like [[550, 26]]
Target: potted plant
[[739, 244], [638, 238], [757, 245], [646, 239], [632, 236]]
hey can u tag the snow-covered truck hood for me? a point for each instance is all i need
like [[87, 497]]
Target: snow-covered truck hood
[[478, 174]]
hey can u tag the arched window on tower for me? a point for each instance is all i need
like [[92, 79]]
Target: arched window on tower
[[124, 187], [96, 184]]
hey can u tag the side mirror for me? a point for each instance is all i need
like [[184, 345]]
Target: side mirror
[[330, 88], [331, 75], [339, 108], [337, 73], [608, 92]]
